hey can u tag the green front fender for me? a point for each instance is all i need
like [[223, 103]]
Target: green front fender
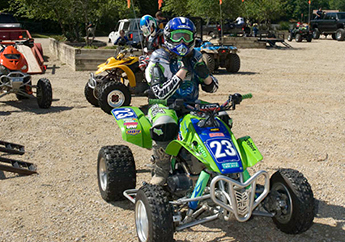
[[134, 128]]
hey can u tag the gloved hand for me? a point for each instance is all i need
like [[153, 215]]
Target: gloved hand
[[186, 64], [201, 70]]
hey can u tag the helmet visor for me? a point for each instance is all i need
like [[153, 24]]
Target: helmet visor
[[146, 30], [178, 35]]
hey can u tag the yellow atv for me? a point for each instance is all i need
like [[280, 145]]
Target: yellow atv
[[123, 78]]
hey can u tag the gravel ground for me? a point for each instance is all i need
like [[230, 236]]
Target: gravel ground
[[296, 118]]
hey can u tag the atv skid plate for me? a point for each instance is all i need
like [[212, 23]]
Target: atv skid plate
[[13, 165]]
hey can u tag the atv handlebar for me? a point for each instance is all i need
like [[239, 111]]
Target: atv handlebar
[[233, 100]]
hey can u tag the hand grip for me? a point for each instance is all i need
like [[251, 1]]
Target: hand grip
[[246, 96]]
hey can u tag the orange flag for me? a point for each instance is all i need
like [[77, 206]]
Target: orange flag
[[128, 3], [220, 1], [160, 2]]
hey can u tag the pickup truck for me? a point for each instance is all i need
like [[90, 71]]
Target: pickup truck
[[332, 23], [9, 27]]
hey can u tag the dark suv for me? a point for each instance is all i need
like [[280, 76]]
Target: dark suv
[[9, 27], [332, 23]]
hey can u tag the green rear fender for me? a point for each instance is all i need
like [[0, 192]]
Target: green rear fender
[[134, 126]]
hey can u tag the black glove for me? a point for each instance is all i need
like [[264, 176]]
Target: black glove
[[201, 70], [187, 64]]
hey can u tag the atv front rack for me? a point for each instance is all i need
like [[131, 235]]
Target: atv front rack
[[237, 197], [16, 166]]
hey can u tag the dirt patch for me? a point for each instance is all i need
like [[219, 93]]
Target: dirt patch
[[296, 118]]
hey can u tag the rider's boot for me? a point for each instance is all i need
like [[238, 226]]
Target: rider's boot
[[162, 165]]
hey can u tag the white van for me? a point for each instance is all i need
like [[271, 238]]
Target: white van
[[132, 31]]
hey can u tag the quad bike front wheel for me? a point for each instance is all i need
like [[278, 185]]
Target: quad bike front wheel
[[90, 95], [209, 61], [113, 94], [233, 63], [340, 34], [293, 201], [289, 38], [153, 215], [44, 93], [115, 172]]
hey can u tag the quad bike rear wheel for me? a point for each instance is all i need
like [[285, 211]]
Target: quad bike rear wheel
[[153, 215], [233, 63], [298, 38], [115, 172], [113, 94], [209, 61], [294, 201], [44, 93]]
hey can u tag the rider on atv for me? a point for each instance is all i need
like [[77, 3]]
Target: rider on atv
[[174, 72], [154, 38]]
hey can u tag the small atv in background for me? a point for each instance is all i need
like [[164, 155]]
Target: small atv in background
[[14, 77], [216, 56], [299, 33], [123, 78]]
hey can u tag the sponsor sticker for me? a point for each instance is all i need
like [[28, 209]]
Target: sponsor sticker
[[230, 165], [214, 129], [216, 135], [131, 125], [133, 131]]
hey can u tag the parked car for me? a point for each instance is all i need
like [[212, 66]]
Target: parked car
[[332, 23], [8, 23], [132, 31]]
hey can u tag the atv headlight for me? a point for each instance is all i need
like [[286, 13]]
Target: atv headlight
[[24, 67], [3, 70]]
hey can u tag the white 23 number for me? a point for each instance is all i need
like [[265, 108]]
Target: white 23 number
[[225, 146], [121, 114]]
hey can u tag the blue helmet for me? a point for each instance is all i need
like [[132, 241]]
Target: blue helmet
[[179, 35], [148, 25]]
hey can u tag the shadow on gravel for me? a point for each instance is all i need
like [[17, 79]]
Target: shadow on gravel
[[126, 205], [224, 72], [30, 105], [259, 227]]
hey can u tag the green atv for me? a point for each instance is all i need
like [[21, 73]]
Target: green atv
[[208, 178]]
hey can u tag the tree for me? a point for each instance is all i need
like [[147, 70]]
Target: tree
[[72, 15]]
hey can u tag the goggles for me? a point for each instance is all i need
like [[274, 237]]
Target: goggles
[[178, 35]]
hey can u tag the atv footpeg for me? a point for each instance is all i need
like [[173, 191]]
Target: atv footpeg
[[13, 165]]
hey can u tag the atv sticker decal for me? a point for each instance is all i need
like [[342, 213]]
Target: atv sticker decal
[[131, 125], [216, 135], [159, 132], [133, 131], [121, 113]]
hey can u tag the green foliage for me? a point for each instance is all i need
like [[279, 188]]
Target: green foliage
[[284, 25], [73, 15]]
